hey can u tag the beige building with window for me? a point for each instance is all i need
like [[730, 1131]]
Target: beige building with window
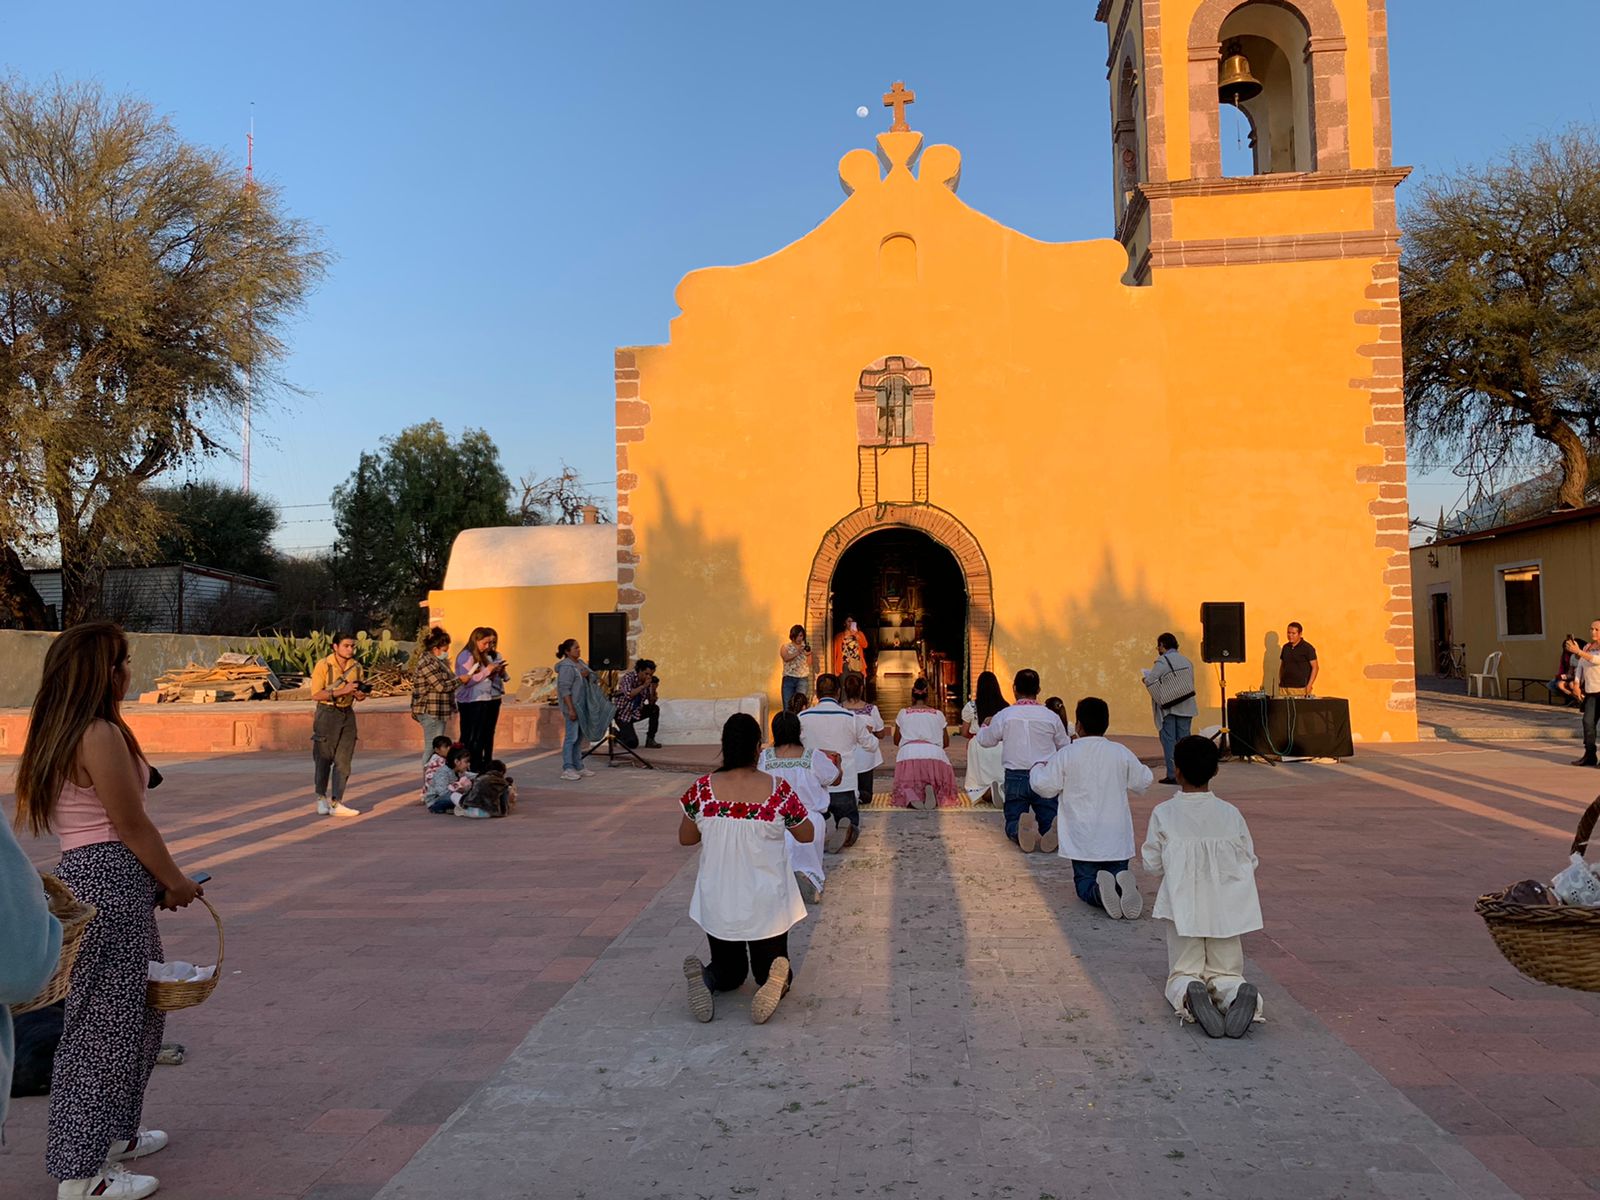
[[1516, 590]]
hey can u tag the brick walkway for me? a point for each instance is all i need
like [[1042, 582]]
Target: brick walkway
[[391, 967]]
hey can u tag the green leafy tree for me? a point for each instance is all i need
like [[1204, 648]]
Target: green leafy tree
[[1500, 295], [401, 509], [141, 286], [214, 525]]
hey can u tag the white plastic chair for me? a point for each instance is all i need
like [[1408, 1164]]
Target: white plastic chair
[[1477, 684]]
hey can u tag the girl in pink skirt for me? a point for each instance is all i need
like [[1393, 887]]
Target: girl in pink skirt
[[922, 774]]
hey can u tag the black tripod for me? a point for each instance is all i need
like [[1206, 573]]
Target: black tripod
[[612, 743]]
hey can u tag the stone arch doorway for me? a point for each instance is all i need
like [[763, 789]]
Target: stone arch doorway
[[944, 534]]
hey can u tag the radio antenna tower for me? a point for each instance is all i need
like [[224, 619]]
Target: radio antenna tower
[[249, 365]]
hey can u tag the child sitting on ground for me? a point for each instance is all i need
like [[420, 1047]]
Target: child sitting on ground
[[451, 783], [435, 763], [492, 794], [1201, 845]]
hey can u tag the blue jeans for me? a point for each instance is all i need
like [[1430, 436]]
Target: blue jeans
[[1084, 881], [794, 685], [1020, 797], [432, 727], [1173, 731], [571, 760]]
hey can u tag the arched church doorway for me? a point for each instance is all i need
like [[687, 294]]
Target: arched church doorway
[[917, 584]]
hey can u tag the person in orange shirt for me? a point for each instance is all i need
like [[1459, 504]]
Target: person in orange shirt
[[850, 650]]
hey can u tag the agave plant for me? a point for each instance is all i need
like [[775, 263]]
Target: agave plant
[[290, 655]]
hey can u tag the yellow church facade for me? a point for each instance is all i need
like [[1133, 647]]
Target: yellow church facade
[[1056, 452], [996, 453]]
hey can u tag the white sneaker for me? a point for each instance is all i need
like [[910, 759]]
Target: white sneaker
[[322, 806], [114, 1181], [571, 775], [586, 773], [340, 809], [147, 1141]]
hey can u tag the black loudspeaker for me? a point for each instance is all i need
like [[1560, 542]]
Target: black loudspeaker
[[1221, 632], [608, 641]]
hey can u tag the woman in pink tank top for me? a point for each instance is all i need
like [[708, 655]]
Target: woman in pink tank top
[[83, 777]]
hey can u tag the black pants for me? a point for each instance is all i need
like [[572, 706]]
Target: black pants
[[478, 721], [864, 788], [1591, 711], [1086, 878], [333, 749], [731, 961], [629, 736]]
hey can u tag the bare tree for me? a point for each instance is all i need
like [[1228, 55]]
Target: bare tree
[[141, 283], [558, 500], [1500, 287]]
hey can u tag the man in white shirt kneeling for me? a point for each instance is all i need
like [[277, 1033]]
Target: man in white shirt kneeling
[[1093, 777], [1030, 733]]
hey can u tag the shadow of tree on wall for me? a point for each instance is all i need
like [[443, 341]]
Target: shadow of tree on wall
[[1270, 649], [700, 623], [1097, 645]]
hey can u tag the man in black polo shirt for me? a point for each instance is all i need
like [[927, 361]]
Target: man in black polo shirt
[[1297, 664]]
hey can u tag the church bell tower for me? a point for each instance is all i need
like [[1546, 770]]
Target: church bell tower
[[1311, 80]]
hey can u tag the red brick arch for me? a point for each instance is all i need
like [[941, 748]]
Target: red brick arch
[[1330, 108], [943, 528]]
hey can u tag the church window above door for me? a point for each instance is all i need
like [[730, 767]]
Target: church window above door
[[894, 403], [895, 425]]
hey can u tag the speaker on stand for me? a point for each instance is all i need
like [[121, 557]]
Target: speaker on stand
[[608, 654], [1222, 642]]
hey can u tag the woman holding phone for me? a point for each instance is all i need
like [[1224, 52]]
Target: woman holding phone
[[83, 777]]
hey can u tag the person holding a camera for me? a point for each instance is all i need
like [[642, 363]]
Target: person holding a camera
[[337, 682], [797, 659], [1170, 681]]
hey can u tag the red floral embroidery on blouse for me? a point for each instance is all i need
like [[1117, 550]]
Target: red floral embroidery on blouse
[[784, 804]]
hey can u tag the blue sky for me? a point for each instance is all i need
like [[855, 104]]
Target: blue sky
[[512, 190]]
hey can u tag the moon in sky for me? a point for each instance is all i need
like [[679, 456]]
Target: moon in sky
[[862, 111]]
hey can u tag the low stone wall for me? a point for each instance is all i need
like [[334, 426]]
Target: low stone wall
[[153, 654], [244, 727]]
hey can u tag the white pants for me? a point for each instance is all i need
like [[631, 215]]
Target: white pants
[[1216, 962]]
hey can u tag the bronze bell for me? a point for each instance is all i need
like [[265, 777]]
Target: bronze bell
[[1235, 84]]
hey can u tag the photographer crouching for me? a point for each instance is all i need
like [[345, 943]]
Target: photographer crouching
[[638, 698], [337, 682]]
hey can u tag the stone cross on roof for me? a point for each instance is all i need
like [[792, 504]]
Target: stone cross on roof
[[897, 98]]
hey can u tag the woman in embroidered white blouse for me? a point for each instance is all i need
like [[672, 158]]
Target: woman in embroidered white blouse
[[1201, 846], [745, 896]]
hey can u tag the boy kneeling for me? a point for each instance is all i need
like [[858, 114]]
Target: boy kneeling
[[1201, 846]]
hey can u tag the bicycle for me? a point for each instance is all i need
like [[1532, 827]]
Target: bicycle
[[1453, 660]]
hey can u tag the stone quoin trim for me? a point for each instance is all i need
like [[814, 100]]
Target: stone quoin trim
[[943, 528], [1391, 508], [633, 414]]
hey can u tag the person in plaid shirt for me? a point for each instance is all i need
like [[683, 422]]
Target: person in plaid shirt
[[433, 689]]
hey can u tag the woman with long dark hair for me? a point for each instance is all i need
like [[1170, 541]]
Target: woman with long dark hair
[[922, 774], [83, 777], [867, 761], [745, 895], [985, 766], [479, 668]]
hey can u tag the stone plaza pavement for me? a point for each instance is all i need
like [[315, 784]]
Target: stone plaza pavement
[[961, 1024]]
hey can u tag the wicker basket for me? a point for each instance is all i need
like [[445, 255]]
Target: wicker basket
[[74, 916], [1557, 944], [170, 997]]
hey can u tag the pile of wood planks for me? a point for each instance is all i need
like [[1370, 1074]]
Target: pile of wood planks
[[232, 677]]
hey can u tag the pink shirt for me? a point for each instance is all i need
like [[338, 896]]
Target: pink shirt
[[80, 818]]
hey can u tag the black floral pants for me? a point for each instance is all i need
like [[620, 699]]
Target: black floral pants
[[110, 1036]]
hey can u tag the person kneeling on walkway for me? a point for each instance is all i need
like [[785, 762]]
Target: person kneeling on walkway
[[830, 726], [1201, 845], [1029, 733], [1093, 777], [745, 895]]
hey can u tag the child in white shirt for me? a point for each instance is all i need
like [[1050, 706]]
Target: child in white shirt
[[1201, 846]]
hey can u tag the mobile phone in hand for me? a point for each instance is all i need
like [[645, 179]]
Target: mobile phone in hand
[[201, 877]]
